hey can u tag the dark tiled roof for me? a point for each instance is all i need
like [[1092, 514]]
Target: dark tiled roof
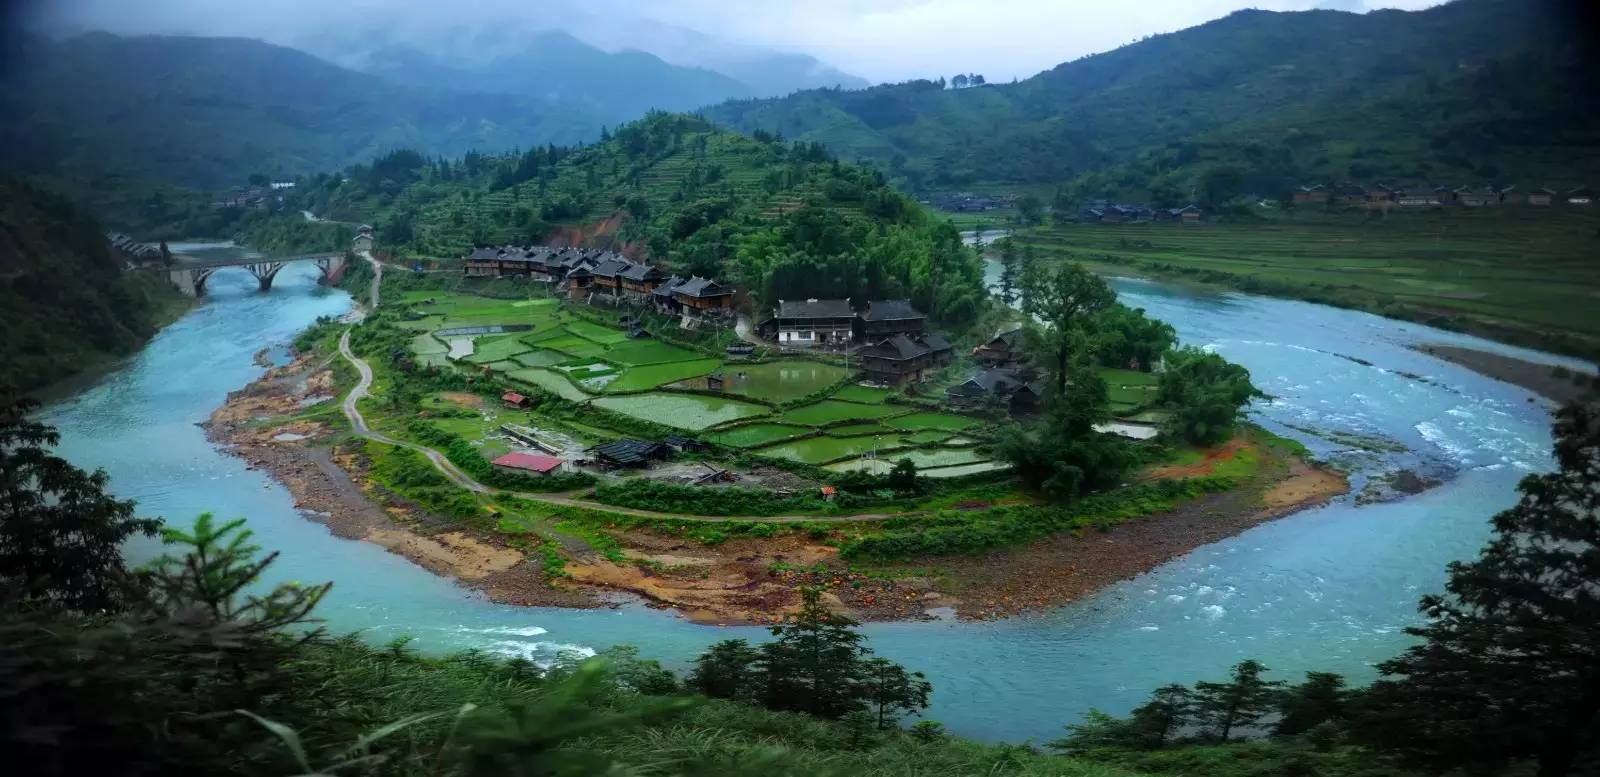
[[628, 451], [701, 287], [640, 272], [815, 308], [667, 287], [610, 268], [935, 343], [897, 348], [891, 310], [998, 381]]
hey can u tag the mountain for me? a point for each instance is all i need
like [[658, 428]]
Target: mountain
[[207, 112], [1473, 90], [555, 66], [765, 72], [65, 303]]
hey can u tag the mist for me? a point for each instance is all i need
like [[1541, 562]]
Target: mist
[[878, 40]]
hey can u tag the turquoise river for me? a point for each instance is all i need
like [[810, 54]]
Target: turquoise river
[[1328, 588]]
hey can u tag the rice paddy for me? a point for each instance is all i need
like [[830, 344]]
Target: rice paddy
[[754, 435], [832, 411], [586, 362], [681, 411]]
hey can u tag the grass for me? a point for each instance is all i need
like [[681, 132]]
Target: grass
[[496, 349], [831, 411], [1517, 274], [640, 352], [681, 411], [782, 381], [552, 382]]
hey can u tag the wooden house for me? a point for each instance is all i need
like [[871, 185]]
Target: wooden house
[[1511, 195], [1541, 198], [1582, 196], [895, 361], [638, 281], [513, 400], [1352, 196], [940, 351], [1016, 388], [607, 275], [888, 317], [629, 453], [662, 296], [482, 262], [702, 296], [1380, 196], [814, 322], [1418, 196], [1188, 214], [362, 242], [1478, 196], [1004, 348], [1315, 194]]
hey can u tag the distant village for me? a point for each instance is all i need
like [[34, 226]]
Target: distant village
[[253, 196], [1430, 196], [890, 337]]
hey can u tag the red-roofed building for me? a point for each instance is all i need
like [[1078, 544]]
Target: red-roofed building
[[514, 400], [528, 462]]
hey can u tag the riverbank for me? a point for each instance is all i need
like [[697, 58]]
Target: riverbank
[[1559, 385], [288, 424]]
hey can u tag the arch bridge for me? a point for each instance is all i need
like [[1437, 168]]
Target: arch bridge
[[190, 274]]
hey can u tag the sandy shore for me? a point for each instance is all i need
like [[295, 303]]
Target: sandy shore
[[1541, 379], [743, 580]]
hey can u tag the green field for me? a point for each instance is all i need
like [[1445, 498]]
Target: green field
[[752, 435], [816, 450], [681, 411], [649, 352], [831, 411], [552, 382], [781, 381], [924, 421], [1517, 274], [864, 394], [496, 348], [649, 376]]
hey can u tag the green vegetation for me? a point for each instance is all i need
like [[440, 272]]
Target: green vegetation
[[752, 435], [66, 304], [695, 500], [782, 381], [682, 411], [830, 411], [1256, 101], [1513, 274], [825, 448]]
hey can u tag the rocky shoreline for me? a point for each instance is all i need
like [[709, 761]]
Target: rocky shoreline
[[1541, 379], [274, 424]]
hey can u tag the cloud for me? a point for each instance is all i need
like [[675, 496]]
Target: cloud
[[882, 40]]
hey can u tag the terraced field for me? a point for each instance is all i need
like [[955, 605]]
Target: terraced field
[[586, 362]]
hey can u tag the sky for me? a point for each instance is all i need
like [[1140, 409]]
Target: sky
[[880, 40]]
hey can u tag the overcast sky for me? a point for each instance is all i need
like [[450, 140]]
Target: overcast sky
[[880, 40]]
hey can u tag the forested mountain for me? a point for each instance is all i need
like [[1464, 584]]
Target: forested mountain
[[65, 300], [552, 65], [1471, 90], [782, 220], [207, 112]]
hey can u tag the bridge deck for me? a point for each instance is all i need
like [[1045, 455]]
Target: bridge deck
[[185, 261]]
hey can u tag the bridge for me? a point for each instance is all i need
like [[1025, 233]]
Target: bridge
[[191, 273]]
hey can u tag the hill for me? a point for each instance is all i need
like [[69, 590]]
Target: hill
[[779, 219], [207, 112], [1471, 90], [65, 303], [610, 87]]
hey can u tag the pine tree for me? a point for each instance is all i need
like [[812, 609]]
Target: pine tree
[[1510, 663], [1225, 707], [890, 690], [1320, 699], [815, 664], [61, 534], [1170, 708], [725, 671], [1010, 272]]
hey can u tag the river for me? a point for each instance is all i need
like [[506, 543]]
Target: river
[[1330, 588]]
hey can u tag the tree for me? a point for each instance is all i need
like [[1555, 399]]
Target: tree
[[958, 81], [903, 477], [1009, 270], [1097, 731], [1509, 666], [258, 179], [1063, 302], [1170, 708], [725, 671], [1127, 338], [1030, 210], [1242, 701], [61, 534], [976, 79], [890, 690], [814, 665], [1321, 698], [1221, 184], [1205, 394], [927, 731]]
